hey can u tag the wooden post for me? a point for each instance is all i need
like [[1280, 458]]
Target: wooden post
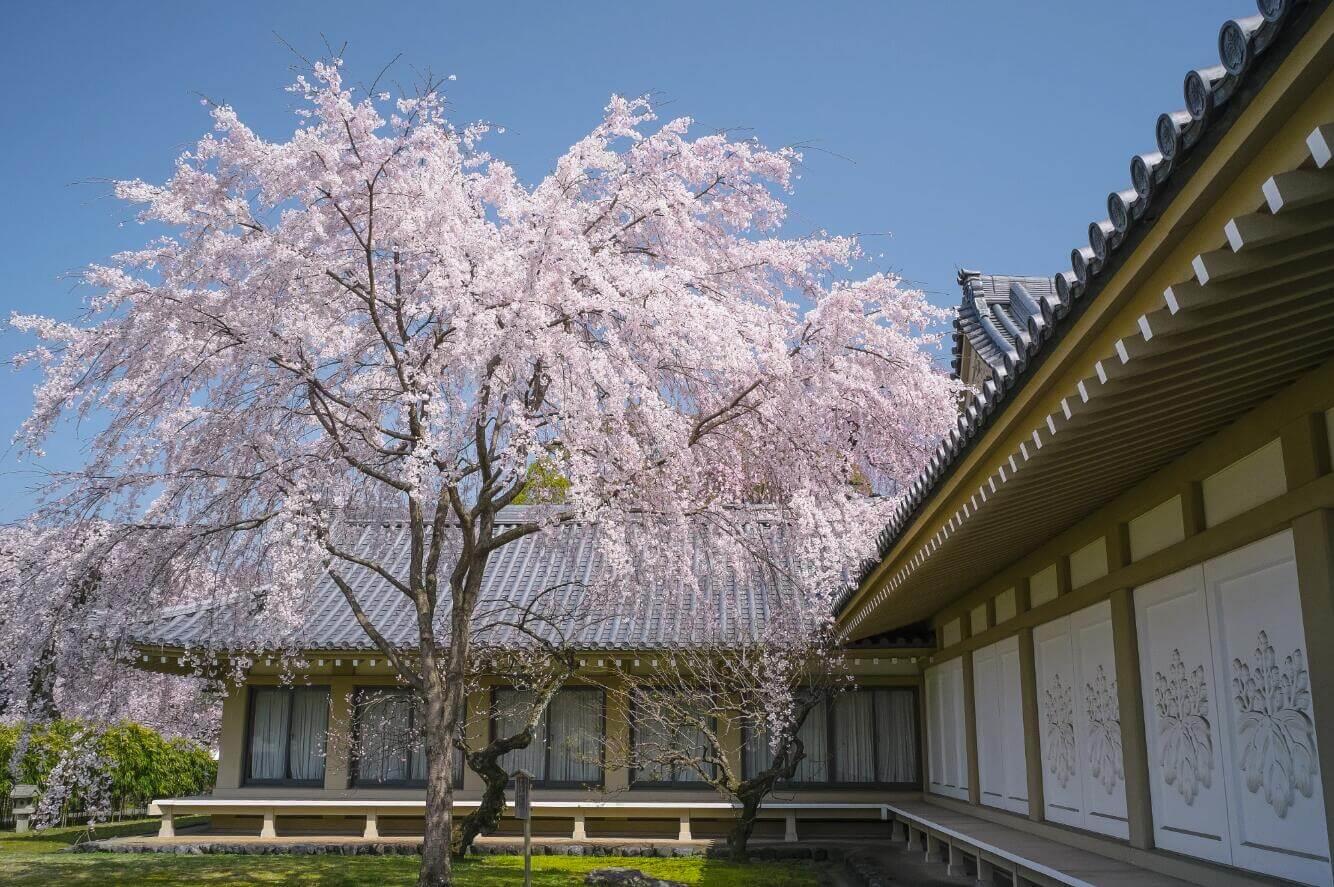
[[523, 811], [956, 867], [970, 732], [1130, 703], [1313, 541], [1028, 690]]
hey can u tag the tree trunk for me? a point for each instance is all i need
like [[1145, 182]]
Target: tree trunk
[[738, 840], [486, 764], [436, 869]]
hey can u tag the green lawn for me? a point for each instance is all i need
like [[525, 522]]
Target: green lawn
[[34, 859]]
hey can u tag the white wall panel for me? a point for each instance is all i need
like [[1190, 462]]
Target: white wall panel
[[999, 716], [1181, 720], [1098, 722], [948, 769], [1083, 777], [1270, 765], [1234, 770], [1062, 794]]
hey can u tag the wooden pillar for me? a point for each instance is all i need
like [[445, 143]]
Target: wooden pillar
[[231, 738], [1028, 691], [1305, 450], [617, 741], [1063, 575], [1313, 541], [923, 733], [970, 730], [1192, 508], [1130, 700], [338, 745]]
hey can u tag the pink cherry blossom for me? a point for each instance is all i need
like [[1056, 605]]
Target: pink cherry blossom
[[377, 314]]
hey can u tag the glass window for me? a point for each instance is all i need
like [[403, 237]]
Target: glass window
[[574, 736], [814, 734], [288, 730], [567, 744], [657, 739], [389, 749], [870, 737], [513, 708]]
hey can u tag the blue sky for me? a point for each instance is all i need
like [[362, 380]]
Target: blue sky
[[982, 135]]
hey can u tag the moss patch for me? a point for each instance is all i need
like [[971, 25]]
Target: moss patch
[[33, 859]]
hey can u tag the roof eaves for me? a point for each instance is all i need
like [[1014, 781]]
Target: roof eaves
[[1215, 97]]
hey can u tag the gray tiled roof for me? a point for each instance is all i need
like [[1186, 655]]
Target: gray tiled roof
[[1003, 317], [545, 576], [1249, 49]]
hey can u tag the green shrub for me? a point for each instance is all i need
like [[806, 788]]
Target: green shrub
[[140, 764]]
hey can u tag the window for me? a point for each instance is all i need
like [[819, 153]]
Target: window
[[567, 746], [655, 737], [288, 730], [814, 735], [861, 737], [389, 749]]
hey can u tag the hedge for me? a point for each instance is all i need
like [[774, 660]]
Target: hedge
[[141, 764]]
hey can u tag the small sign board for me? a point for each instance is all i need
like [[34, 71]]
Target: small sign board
[[523, 795]]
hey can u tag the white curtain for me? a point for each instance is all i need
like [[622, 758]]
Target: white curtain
[[310, 727], [896, 731], [575, 731], [268, 732], [512, 710], [654, 738], [854, 731], [692, 739], [814, 736], [384, 737]]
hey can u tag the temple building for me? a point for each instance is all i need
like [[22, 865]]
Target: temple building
[[1125, 547], [1095, 645]]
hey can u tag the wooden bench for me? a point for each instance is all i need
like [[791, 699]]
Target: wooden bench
[[269, 810], [1029, 859]]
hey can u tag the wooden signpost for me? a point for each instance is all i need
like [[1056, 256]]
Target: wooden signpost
[[523, 810]]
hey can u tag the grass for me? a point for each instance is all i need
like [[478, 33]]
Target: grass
[[34, 859]]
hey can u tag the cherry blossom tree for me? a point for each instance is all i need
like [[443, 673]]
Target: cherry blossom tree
[[59, 660], [377, 314], [720, 689]]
